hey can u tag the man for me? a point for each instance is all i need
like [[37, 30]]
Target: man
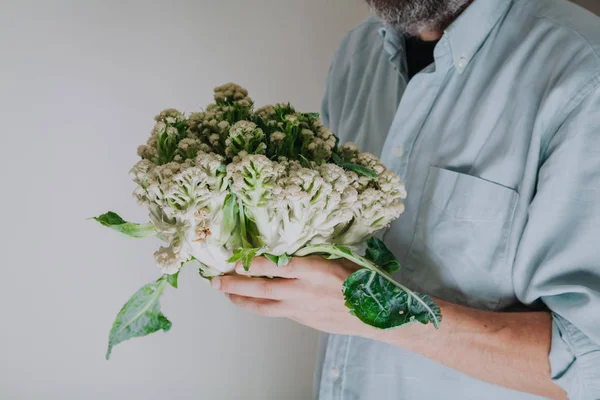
[[497, 135]]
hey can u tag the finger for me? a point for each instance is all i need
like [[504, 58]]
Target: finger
[[275, 289], [298, 267], [264, 307], [262, 266]]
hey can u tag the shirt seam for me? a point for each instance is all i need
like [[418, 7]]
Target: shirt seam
[[580, 95], [343, 47], [565, 331], [324, 366], [515, 200], [573, 30], [343, 385]]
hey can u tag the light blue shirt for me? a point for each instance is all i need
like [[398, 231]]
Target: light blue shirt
[[498, 143]]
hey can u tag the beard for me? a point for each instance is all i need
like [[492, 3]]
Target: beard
[[413, 17]]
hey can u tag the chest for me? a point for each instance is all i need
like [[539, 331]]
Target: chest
[[468, 148]]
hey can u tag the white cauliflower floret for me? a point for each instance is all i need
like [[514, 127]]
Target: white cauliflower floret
[[391, 184], [371, 161], [350, 152], [245, 136], [226, 178], [169, 116], [169, 260]]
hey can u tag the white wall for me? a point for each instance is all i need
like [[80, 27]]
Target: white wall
[[79, 84]]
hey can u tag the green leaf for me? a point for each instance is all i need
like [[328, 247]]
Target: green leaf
[[245, 256], [284, 260], [280, 261], [335, 157], [305, 162], [359, 169], [207, 272], [110, 219], [243, 231], [140, 316], [336, 146], [172, 279], [114, 221], [375, 297], [378, 252], [380, 303], [272, 258], [422, 311], [230, 217]]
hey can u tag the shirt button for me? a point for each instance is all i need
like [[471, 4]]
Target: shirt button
[[462, 62], [334, 373], [398, 152]]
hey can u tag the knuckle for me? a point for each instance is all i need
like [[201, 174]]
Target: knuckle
[[261, 262], [299, 266], [267, 290], [230, 285], [291, 268], [256, 266], [224, 284]]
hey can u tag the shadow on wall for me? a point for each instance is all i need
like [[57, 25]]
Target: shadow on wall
[[593, 5]]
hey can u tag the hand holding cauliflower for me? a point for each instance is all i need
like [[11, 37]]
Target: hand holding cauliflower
[[231, 183]]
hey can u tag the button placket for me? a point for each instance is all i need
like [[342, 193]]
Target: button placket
[[337, 348]]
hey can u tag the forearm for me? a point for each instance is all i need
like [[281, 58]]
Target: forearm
[[506, 349]]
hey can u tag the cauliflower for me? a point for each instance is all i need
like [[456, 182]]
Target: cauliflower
[[277, 168], [277, 164], [230, 183]]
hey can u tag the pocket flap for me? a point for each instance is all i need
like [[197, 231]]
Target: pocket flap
[[467, 197]]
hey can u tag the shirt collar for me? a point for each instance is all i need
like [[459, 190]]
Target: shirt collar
[[393, 44], [470, 30], [465, 35]]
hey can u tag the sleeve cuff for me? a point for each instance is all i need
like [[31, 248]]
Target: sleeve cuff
[[574, 361]]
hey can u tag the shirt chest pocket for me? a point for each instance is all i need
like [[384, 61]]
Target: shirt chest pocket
[[459, 251]]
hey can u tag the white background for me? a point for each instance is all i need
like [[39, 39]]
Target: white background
[[80, 82]]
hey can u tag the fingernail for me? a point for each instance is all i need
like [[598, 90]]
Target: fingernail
[[215, 283], [239, 268]]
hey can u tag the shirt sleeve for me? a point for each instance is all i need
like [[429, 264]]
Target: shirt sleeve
[[325, 101], [558, 258]]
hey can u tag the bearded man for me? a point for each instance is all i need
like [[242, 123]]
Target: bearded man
[[490, 112]]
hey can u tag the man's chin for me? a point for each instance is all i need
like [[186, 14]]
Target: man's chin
[[414, 17]]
